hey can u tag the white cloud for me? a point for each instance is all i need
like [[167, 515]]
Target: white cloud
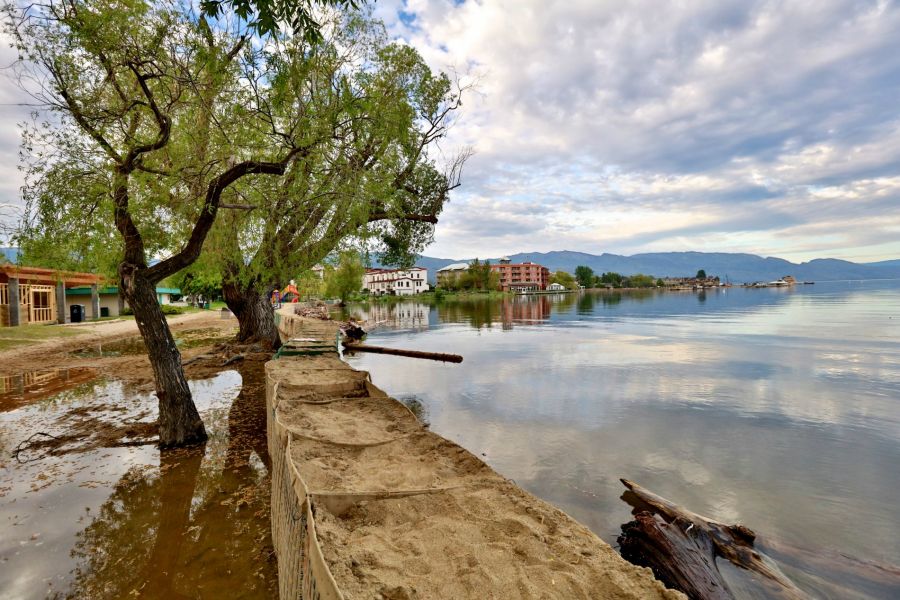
[[625, 127]]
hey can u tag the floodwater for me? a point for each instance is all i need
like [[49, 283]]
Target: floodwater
[[90, 509], [776, 408]]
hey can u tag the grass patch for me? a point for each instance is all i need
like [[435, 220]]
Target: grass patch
[[8, 344], [36, 333]]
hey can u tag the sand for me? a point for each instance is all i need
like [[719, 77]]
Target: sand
[[421, 517]]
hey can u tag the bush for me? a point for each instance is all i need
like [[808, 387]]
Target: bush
[[167, 309]]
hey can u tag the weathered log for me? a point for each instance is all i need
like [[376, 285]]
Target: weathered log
[[454, 358], [681, 547], [353, 332]]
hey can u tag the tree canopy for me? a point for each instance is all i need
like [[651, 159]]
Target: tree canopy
[[160, 121], [585, 276]]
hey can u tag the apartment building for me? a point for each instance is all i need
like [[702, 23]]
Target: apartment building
[[521, 277]]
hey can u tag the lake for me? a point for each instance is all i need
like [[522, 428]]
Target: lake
[[776, 408]]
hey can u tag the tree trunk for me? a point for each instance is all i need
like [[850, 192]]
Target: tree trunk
[[256, 318], [179, 421]]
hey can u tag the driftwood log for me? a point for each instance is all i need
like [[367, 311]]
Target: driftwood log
[[454, 358], [682, 547]]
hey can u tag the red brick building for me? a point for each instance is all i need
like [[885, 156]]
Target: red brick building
[[521, 277]]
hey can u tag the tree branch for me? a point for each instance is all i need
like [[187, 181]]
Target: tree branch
[[382, 216], [191, 250]]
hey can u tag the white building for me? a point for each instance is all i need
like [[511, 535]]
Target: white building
[[556, 287], [397, 282]]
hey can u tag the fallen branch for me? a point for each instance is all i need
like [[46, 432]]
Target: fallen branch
[[27, 443]]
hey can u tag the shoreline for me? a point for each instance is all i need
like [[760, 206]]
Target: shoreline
[[396, 509]]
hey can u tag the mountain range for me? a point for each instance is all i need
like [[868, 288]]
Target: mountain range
[[737, 268]]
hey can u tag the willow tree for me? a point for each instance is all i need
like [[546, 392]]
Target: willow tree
[[153, 102], [379, 178]]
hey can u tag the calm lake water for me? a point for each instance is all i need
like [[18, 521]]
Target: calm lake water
[[776, 408]]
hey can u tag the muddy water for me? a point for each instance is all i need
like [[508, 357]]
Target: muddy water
[[89, 508]]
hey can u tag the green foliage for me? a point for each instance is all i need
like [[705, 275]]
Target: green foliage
[[701, 274], [345, 279], [199, 280], [310, 285], [611, 278], [478, 277], [167, 309], [584, 276], [266, 16], [660, 283], [368, 180], [565, 279], [640, 281]]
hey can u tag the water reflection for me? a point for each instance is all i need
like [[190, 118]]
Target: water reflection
[[774, 408], [112, 522], [21, 389]]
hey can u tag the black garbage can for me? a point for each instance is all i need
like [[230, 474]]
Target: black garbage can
[[76, 313], [104, 311]]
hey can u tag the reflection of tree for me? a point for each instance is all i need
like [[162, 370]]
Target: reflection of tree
[[563, 302], [478, 312], [586, 303], [197, 526]]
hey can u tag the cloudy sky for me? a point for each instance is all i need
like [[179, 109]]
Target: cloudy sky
[[764, 127]]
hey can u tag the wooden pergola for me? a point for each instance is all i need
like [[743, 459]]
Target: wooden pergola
[[38, 295]]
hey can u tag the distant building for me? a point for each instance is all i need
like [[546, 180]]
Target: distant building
[[521, 277], [447, 274], [556, 287], [319, 270], [396, 282]]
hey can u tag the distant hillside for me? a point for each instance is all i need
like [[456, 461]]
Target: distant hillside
[[736, 267], [884, 263]]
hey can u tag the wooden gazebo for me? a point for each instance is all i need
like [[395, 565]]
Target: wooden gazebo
[[37, 295]]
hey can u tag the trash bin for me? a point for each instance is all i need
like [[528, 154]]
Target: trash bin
[[76, 313], [104, 311]]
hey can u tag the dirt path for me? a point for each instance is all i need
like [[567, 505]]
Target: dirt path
[[86, 349]]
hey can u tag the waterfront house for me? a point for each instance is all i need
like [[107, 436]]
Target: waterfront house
[[556, 287], [396, 282]]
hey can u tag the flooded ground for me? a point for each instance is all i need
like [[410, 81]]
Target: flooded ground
[[90, 509]]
